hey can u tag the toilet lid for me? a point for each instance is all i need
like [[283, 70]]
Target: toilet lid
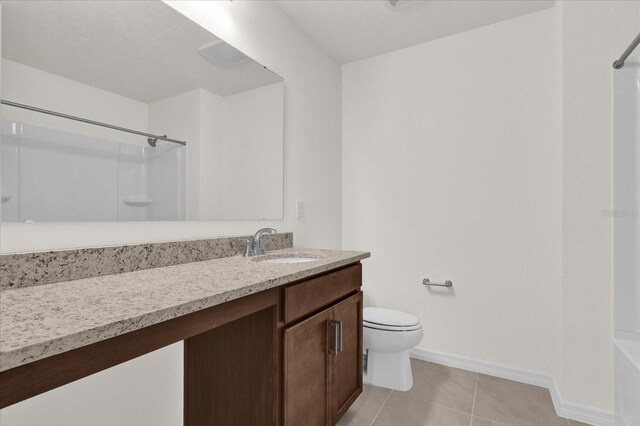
[[376, 317]]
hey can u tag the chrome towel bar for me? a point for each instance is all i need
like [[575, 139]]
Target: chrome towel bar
[[447, 283]]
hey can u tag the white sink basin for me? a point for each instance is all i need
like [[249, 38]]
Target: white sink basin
[[283, 260]]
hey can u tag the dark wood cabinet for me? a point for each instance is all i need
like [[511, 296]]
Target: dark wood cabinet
[[323, 364], [306, 371]]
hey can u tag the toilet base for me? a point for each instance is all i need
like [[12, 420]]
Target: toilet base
[[391, 370]]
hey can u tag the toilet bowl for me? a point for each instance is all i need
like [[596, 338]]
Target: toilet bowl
[[388, 336]]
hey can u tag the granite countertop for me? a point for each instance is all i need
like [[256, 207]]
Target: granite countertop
[[41, 321]]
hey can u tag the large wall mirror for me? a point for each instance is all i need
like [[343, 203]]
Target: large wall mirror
[[128, 110]]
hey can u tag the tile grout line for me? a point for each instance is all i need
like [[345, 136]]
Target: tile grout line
[[380, 409], [473, 404], [437, 404], [489, 420]]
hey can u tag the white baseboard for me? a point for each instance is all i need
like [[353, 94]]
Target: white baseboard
[[570, 410]]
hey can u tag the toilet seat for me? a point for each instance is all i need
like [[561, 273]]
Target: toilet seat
[[383, 327], [389, 320]]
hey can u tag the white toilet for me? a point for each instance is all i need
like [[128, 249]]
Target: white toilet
[[388, 336]]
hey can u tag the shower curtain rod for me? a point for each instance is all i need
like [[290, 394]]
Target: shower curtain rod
[[151, 138], [620, 62]]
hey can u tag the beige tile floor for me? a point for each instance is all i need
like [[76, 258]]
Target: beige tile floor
[[445, 396]]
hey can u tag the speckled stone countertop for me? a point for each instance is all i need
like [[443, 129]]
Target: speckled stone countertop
[[41, 321], [27, 269]]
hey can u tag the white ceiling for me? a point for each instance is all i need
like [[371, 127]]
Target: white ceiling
[[144, 50], [350, 30]]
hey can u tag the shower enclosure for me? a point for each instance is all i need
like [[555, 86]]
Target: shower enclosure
[[626, 229], [51, 175]]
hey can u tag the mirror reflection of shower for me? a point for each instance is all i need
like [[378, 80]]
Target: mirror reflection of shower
[[50, 175]]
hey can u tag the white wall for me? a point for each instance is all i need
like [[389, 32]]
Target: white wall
[[312, 140], [251, 152], [452, 170], [211, 157], [234, 149], [464, 148], [594, 34]]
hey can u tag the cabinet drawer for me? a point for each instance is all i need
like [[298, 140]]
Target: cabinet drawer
[[304, 298]]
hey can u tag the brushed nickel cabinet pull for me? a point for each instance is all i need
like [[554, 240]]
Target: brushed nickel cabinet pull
[[337, 338]]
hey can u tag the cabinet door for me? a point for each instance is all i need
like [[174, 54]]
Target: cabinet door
[[346, 364], [306, 372]]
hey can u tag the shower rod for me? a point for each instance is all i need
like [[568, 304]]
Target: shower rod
[[151, 138], [620, 62]]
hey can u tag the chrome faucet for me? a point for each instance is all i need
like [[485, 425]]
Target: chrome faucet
[[254, 245]]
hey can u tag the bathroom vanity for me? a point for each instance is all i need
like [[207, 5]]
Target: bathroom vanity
[[264, 343]]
